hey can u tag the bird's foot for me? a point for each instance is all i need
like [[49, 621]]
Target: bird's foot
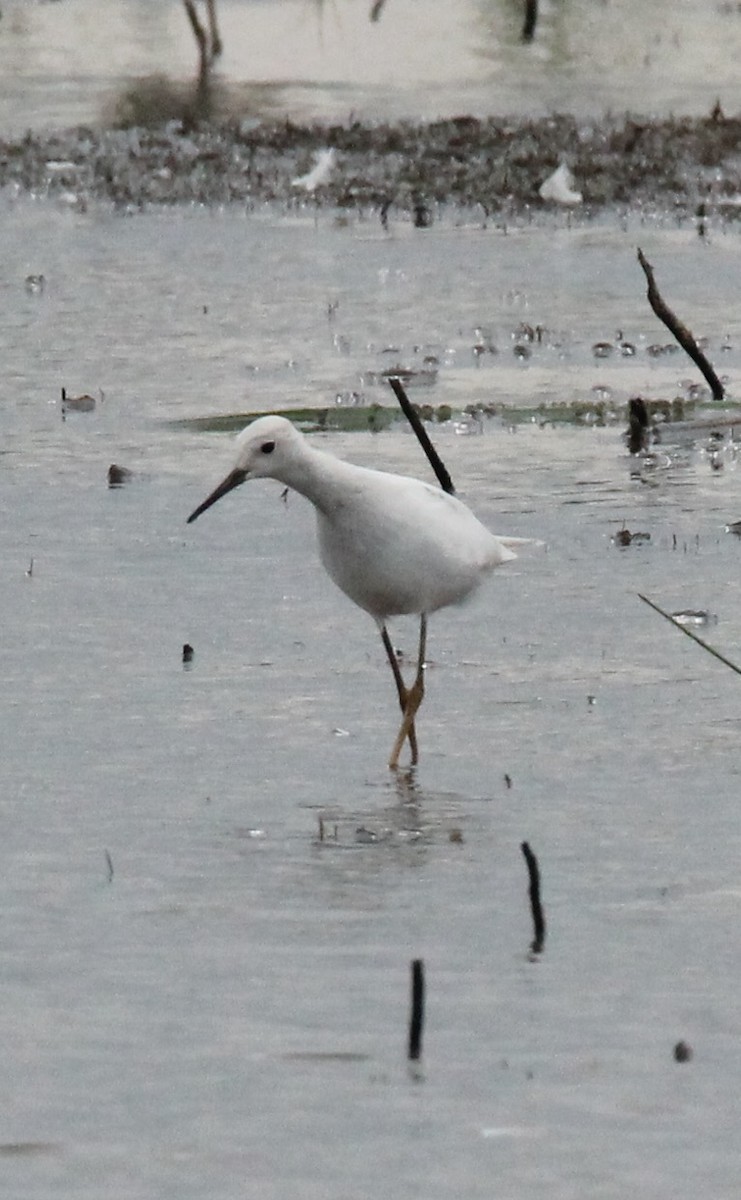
[[414, 696]]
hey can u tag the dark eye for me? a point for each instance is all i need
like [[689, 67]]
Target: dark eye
[[268, 447]]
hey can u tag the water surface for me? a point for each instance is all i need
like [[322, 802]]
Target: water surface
[[200, 997]]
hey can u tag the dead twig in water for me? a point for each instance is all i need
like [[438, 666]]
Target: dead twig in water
[[437, 464], [534, 892], [417, 1015], [199, 33], [217, 45], [639, 425], [531, 18], [679, 331], [209, 45], [690, 634]]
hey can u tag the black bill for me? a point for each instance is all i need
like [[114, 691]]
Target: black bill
[[233, 479]]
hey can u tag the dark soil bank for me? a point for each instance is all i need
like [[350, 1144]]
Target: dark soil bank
[[495, 165]]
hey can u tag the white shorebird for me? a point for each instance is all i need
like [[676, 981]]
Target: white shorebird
[[392, 544]]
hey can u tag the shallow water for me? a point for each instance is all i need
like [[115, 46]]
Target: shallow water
[[200, 998], [61, 64]]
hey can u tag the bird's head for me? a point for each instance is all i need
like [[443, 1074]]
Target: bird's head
[[265, 450]]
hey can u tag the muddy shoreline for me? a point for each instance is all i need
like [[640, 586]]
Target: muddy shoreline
[[686, 166]]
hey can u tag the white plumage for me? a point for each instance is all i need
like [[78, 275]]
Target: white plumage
[[393, 544]]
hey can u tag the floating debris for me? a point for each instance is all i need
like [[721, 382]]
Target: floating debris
[[639, 433], [324, 161], [421, 214], [323, 832], [682, 1052], [602, 392], [35, 284], [720, 449], [483, 345], [559, 187], [695, 617], [625, 538], [60, 166], [82, 404], [118, 476], [472, 425], [528, 333], [424, 377], [188, 653]]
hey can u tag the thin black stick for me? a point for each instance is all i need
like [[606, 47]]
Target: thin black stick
[[690, 634], [437, 464], [531, 18], [209, 44], [417, 1017], [680, 331], [199, 33], [217, 46], [534, 891]]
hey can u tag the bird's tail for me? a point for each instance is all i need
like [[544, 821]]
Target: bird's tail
[[514, 543]]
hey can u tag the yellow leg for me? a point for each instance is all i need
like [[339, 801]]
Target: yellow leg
[[401, 688], [413, 697]]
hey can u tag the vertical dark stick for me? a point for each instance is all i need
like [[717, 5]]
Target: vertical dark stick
[[538, 918], [416, 1020], [438, 466], [199, 33], [217, 45], [531, 18]]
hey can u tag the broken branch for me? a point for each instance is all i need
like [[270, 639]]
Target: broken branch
[[679, 331], [690, 634]]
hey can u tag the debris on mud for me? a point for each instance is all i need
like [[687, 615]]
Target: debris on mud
[[494, 165]]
